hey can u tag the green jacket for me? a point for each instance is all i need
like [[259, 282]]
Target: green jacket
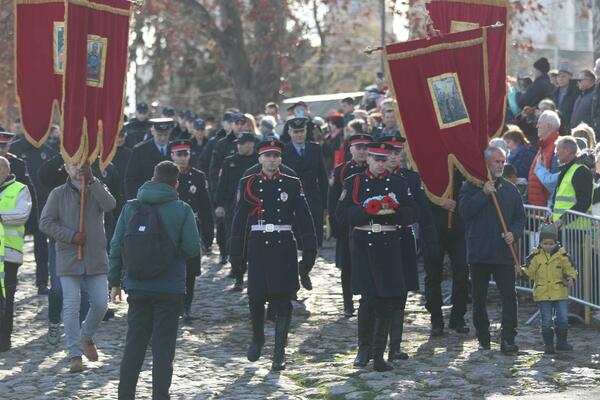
[[178, 219], [549, 272]]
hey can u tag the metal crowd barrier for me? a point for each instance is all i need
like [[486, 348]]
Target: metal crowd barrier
[[580, 236]]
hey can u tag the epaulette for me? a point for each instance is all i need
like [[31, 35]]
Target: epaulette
[[289, 176]]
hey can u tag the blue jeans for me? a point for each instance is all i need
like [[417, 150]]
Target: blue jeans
[[97, 286], [548, 308], [55, 296]]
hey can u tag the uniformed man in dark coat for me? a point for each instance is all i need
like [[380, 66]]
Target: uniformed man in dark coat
[[358, 164], [34, 157], [223, 148], [267, 204], [138, 128], [374, 204], [299, 110], [451, 240], [306, 158], [146, 155], [204, 166], [232, 171], [198, 142], [409, 248], [193, 189], [120, 161]]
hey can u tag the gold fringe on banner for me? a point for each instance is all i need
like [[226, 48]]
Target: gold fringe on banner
[[84, 147], [496, 3]]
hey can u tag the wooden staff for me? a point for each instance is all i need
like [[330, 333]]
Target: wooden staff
[[81, 214], [451, 213], [505, 231]]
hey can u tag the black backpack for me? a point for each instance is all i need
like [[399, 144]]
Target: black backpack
[[148, 250]]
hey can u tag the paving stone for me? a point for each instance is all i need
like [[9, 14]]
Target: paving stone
[[210, 361]]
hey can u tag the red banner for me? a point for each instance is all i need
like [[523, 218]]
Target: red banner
[[442, 89], [451, 16], [39, 57], [95, 70]]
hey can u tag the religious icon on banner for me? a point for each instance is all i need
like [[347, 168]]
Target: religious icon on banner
[[448, 100], [59, 48], [461, 26], [96, 58]]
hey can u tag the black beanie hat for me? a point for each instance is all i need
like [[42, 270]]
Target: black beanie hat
[[542, 65]]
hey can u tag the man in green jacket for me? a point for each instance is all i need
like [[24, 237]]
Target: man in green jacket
[[154, 304]]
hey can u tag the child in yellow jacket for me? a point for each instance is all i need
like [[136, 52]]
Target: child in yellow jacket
[[550, 268]]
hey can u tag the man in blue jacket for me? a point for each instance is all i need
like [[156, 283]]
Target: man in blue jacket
[[154, 304], [487, 247]]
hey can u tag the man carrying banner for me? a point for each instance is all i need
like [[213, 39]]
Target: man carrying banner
[[487, 251]]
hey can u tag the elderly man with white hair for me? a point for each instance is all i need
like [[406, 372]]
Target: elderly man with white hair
[[538, 194]]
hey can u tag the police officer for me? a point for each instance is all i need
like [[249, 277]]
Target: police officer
[[204, 166], [268, 203], [120, 161], [358, 163], [306, 158], [193, 189], [299, 110], [223, 148], [376, 249], [409, 252], [232, 171], [146, 155], [34, 157], [139, 126], [198, 141]]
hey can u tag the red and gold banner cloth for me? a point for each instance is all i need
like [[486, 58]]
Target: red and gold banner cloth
[[442, 89], [451, 16], [39, 58], [97, 34]]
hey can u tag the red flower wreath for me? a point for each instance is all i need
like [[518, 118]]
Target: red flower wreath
[[391, 203], [373, 207]]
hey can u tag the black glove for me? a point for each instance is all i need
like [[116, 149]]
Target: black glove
[[308, 260]]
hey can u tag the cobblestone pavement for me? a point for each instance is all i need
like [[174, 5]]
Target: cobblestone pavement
[[210, 362]]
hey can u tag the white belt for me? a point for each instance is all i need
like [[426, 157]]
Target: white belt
[[271, 228], [376, 228]]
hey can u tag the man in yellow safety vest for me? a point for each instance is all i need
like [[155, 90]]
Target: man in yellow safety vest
[[575, 182], [15, 207]]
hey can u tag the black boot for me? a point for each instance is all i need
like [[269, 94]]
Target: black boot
[[365, 338], [548, 335], [508, 346], [304, 276], [396, 330], [561, 340], [382, 329], [239, 284], [437, 324], [257, 316], [282, 327]]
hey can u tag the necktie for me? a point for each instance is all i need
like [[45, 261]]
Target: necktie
[[301, 151], [163, 151]]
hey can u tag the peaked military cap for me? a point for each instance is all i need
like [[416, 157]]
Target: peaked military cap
[[163, 125], [179, 145], [141, 107], [6, 137], [380, 149], [297, 123], [361, 138], [270, 146], [168, 112], [199, 123], [245, 138]]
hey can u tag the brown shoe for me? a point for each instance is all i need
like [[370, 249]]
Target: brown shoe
[[76, 365], [89, 350]]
